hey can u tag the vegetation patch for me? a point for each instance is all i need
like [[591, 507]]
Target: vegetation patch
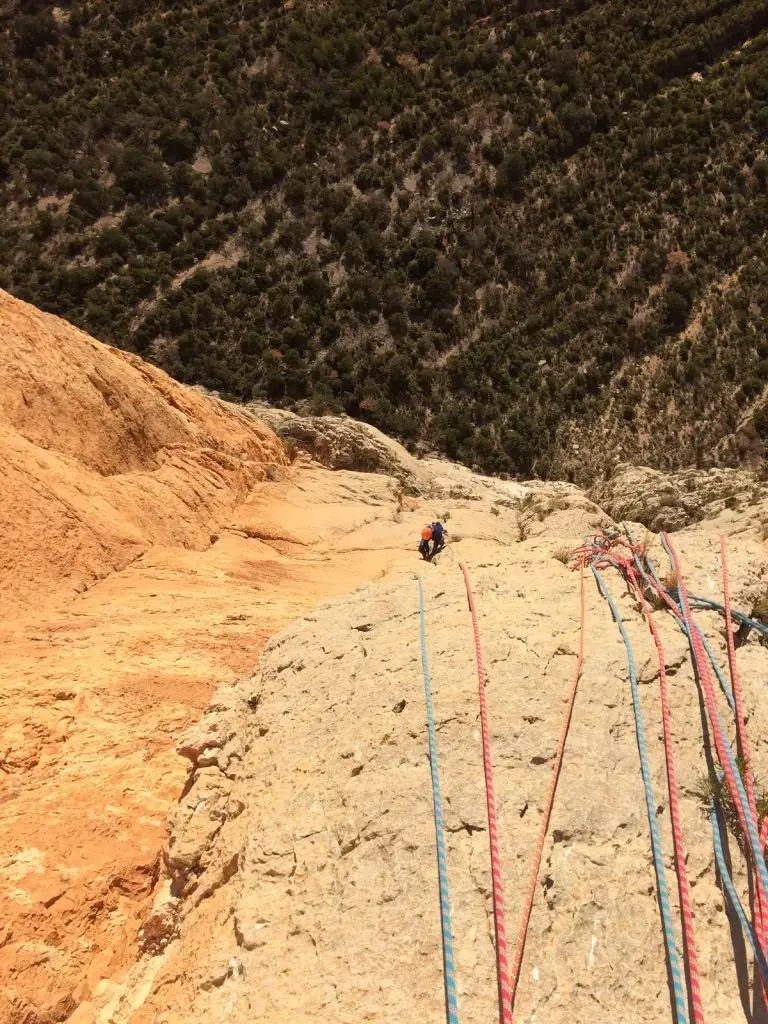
[[471, 224]]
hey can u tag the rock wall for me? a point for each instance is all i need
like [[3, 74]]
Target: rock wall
[[298, 878], [301, 876], [339, 442], [102, 455], [735, 498]]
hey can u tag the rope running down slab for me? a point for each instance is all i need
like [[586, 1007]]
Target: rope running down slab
[[742, 743], [650, 802], [502, 962], [449, 969], [517, 959], [722, 745]]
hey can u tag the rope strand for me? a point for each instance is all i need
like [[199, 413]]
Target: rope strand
[[449, 969], [684, 888], [742, 748], [733, 896], [723, 747], [517, 959], [502, 964], [661, 878]]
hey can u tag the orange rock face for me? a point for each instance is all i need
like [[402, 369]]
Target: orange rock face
[[103, 456], [152, 541], [103, 460]]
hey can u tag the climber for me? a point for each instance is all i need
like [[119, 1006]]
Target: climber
[[438, 538], [426, 537], [436, 533]]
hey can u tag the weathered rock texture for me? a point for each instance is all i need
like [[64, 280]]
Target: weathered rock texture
[[339, 442], [102, 456], [669, 501], [297, 881], [302, 853], [154, 540]]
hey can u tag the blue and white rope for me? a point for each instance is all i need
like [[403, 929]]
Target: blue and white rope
[[733, 896], [678, 984], [449, 968]]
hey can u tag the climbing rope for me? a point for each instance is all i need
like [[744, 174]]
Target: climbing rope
[[661, 879], [635, 573], [684, 888], [449, 969], [631, 560], [502, 965], [742, 743], [733, 896], [705, 602], [722, 746], [655, 584], [517, 959], [745, 803]]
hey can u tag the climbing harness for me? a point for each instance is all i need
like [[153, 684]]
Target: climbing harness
[[502, 965], [449, 969], [517, 958]]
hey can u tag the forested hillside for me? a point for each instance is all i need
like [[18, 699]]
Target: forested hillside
[[513, 231]]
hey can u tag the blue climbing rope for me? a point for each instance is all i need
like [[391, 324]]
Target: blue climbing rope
[[678, 984], [687, 625], [681, 620], [449, 968], [733, 896], [758, 854], [705, 602], [691, 629]]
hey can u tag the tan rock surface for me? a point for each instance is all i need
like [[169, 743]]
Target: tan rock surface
[[165, 542], [102, 456], [339, 442], [147, 559], [303, 850], [735, 498]]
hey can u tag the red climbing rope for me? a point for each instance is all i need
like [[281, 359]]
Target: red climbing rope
[[502, 965], [517, 959], [603, 550], [684, 889], [705, 678], [742, 744], [741, 736]]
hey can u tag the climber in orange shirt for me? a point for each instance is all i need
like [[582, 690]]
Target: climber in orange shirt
[[435, 533]]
